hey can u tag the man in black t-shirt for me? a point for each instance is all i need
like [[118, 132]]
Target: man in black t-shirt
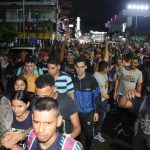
[[43, 63], [141, 107], [68, 64], [68, 109]]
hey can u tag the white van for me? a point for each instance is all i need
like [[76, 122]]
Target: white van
[[32, 50]]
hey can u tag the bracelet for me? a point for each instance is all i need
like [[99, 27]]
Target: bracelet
[[24, 134]]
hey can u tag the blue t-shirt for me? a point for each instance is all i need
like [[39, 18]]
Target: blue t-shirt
[[23, 125]]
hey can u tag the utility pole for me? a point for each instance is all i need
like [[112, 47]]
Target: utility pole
[[136, 21], [57, 21], [23, 20]]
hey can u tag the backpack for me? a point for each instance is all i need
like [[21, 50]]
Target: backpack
[[6, 115], [136, 125], [68, 143], [30, 140], [37, 68]]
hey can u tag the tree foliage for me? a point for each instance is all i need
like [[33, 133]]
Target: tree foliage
[[47, 26], [9, 33]]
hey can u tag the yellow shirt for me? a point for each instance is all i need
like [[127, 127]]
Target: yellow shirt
[[31, 82]]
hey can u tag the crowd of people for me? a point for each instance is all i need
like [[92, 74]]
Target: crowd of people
[[62, 96]]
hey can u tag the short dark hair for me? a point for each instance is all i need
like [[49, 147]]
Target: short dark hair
[[81, 59], [134, 57], [102, 65], [44, 80], [127, 57], [30, 59], [54, 61], [21, 95], [117, 58], [46, 104]]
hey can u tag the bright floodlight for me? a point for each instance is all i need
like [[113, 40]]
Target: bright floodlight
[[146, 7], [142, 7], [138, 7], [133, 6], [129, 6]]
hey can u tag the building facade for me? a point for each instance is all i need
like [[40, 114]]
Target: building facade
[[29, 14]]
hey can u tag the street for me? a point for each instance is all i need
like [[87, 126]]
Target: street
[[112, 142]]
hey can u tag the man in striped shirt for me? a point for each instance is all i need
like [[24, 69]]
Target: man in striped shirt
[[63, 81]]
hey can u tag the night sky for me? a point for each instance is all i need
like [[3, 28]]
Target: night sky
[[95, 13]]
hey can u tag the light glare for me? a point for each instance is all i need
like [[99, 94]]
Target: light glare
[[129, 6], [146, 7], [138, 7], [133, 6], [142, 7]]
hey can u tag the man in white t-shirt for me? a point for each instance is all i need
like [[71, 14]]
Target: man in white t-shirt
[[128, 77], [102, 79]]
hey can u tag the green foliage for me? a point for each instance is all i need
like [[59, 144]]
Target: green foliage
[[138, 38], [142, 34], [47, 26], [9, 33]]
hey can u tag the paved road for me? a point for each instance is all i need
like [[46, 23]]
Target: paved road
[[112, 142]]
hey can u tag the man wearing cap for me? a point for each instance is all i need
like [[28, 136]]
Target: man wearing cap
[[67, 59], [68, 64], [141, 107], [43, 62]]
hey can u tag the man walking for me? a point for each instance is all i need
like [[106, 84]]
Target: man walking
[[87, 99]]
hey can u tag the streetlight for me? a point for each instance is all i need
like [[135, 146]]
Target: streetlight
[[18, 19], [137, 8]]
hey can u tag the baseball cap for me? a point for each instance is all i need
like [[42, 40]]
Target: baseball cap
[[69, 51], [43, 54]]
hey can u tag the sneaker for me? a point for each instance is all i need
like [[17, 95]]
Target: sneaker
[[99, 137]]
